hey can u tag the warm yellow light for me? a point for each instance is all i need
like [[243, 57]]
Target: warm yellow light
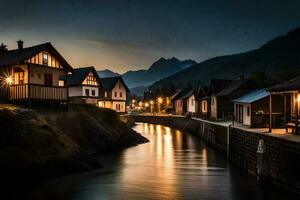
[[9, 80], [133, 100], [160, 100], [151, 102], [141, 104], [146, 104]]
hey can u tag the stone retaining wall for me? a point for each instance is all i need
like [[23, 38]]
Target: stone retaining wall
[[282, 156]]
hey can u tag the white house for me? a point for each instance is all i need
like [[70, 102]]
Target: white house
[[113, 94], [83, 85]]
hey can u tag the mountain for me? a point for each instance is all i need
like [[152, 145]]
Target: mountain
[[277, 60], [139, 90], [160, 69], [107, 73]]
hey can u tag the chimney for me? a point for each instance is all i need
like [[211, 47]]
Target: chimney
[[20, 44]]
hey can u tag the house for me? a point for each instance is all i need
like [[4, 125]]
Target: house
[[203, 102], [83, 85], [216, 85], [290, 92], [113, 94], [180, 101], [191, 103], [252, 109], [221, 103], [33, 74]]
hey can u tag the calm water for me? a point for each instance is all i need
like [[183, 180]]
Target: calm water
[[174, 165]]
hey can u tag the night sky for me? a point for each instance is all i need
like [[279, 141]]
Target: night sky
[[127, 35]]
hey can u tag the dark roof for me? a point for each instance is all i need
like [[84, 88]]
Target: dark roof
[[110, 82], [201, 92], [216, 85], [290, 85], [187, 94], [234, 85], [19, 56], [78, 76], [180, 94], [253, 96]]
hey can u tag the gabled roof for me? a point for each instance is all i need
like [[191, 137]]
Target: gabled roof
[[216, 85], [290, 85], [181, 94], [78, 76], [110, 82], [187, 94], [201, 92], [20, 55], [253, 96], [234, 85]]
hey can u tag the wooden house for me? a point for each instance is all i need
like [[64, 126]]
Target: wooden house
[[192, 104], [203, 102], [83, 85], [180, 101], [252, 109], [290, 92], [113, 94], [221, 103], [216, 85], [33, 74]]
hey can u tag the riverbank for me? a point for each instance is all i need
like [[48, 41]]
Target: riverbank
[[281, 153], [49, 142]]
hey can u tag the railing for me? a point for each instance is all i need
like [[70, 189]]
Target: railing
[[38, 92]]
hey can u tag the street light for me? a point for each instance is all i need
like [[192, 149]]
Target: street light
[[9, 80]]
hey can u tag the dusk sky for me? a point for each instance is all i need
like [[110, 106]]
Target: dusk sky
[[127, 35]]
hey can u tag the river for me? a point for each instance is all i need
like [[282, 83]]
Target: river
[[174, 165]]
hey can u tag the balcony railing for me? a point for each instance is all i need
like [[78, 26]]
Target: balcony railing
[[38, 92]]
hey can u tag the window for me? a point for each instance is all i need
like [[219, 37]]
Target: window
[[115, 94], [117, 106], [121, 94], [87, 92], [93, 92], [61, 83], [91, 79], [192, 101], [105, 94], [248, 111], [45, 58], [204, 106]]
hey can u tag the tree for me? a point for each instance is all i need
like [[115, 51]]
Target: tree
[[3, 48], [261, 78]]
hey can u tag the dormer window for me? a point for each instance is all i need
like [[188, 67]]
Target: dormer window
[[45, 58]]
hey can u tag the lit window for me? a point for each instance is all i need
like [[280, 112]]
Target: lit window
[[61, 83], [91, 79], [105, 94], [45, 58]]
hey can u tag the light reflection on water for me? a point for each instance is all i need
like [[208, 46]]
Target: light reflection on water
[[173, 165]]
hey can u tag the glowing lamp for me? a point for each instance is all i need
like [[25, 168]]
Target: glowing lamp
[[160, 100], [9, 80]]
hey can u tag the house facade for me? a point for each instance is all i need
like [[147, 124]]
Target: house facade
[[253, 109], [33, 74], [83, 86], [221, 103], [113, 94], [203, 102], [180, 101]]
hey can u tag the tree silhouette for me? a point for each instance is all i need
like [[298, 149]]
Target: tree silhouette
[[3, 48]]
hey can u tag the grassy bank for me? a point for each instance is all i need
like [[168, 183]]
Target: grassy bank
[[46, 142]]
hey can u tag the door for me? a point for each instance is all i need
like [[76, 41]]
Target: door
[[49, 80]]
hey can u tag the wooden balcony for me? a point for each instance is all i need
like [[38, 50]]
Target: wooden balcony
[[37, 92]]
